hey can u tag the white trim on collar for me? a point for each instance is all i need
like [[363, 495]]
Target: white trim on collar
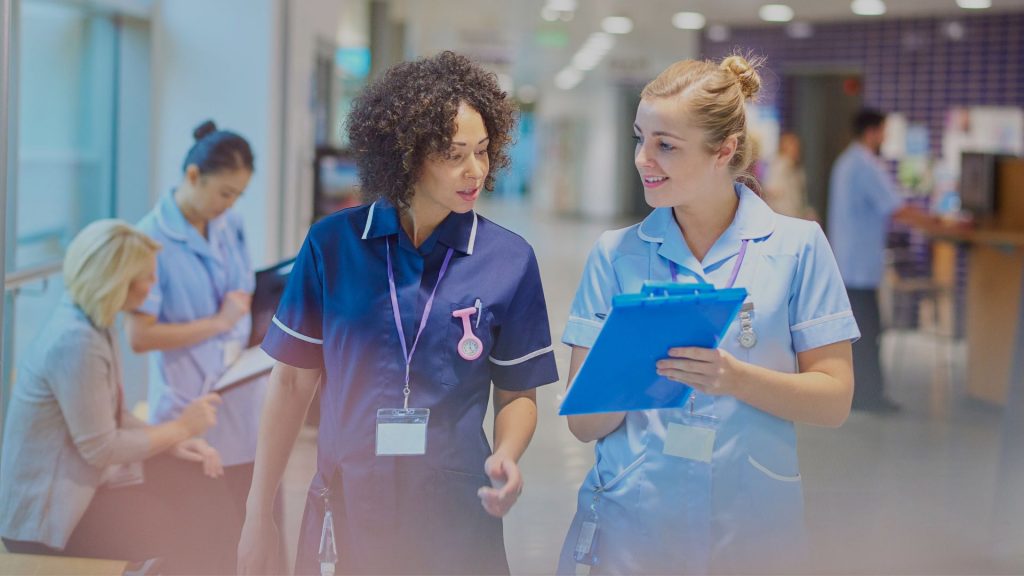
[[656, 214], [369, 220], [472, 236], [168, 231]]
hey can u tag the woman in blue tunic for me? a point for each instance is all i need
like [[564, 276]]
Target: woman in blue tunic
[[715, 486], [405, 311], [196, 317]]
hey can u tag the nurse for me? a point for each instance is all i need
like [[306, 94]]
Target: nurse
[[197, 314], [713, 487], [405, 312]]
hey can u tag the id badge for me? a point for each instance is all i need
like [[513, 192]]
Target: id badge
[[585, 551], [694, 439], [402, 432]]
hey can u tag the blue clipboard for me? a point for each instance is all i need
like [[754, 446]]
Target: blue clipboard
[[619, 373]]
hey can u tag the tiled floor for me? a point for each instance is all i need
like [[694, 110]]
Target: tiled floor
[[911, 493]]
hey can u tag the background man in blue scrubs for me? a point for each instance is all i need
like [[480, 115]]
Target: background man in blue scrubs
[[863, 198]]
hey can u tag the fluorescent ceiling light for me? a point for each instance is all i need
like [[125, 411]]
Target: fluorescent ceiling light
[[718, 33], [689, 20], [568, 78], [868, 7], [617, 25], [974, 4], [775, 13], [562, 5]]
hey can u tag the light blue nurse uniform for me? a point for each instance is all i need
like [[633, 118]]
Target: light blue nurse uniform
[[743, 511], [193, 276]]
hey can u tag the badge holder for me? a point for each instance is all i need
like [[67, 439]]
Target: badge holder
[[402, 431], [585, 551]]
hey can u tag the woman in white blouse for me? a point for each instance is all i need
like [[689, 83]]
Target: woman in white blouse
[[79, 474]]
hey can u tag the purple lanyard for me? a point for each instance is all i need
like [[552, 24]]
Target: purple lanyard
[[407, 352], [735, 267]]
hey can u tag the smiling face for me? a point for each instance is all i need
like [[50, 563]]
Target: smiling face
[[452, 181], [672, 156]]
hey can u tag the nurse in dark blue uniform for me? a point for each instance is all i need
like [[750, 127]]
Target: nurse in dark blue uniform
[[406, 311]]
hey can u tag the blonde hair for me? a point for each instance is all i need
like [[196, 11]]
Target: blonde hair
[[714, 95], [101, 262]]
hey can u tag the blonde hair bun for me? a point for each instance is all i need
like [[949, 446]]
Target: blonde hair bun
[[745, 73]]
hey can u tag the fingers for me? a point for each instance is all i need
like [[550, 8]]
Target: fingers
[[694, 353], [213, 399]]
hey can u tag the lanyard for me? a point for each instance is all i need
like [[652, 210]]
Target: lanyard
[[735, 267], [407, 352]]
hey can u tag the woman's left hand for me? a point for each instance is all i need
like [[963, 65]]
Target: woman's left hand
[[708, 370], [197, 450], [506, 485]]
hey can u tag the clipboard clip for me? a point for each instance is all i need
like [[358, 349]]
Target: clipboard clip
[[663, 289]]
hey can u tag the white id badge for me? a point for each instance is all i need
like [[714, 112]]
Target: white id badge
[[695, 441], [402, 432]]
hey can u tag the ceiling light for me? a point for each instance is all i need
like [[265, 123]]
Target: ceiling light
[[617, 25], [974, 4], [868, 7], [568, 78], [718, 33], [548, 14], [562, 5], [775, 13], [689, 20], [799, 30]]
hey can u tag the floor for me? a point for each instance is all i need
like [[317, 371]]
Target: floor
[[923, 491]]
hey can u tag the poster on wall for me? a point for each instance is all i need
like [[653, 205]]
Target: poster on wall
[[988, 129]]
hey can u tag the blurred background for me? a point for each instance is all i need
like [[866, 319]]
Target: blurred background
[[98, 99]]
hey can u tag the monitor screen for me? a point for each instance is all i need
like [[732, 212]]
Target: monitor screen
[[978, 184]]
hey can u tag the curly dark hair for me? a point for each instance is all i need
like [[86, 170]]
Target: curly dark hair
[[408, 114]]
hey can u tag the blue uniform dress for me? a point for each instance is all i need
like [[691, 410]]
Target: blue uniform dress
[[409, 514], [743, 510], [193, 275]]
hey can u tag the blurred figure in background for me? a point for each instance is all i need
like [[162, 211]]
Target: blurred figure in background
[[785, 186], [197, 315], [80, 475]]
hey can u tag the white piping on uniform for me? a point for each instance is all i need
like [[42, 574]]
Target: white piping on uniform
[[771, 474], [295, 334], [369, 220], [472, 236], [822, 320], [522, 359]]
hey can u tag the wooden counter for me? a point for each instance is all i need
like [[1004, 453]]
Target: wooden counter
[[995, 270]]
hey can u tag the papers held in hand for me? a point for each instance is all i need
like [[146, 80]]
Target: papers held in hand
[[620, 371], [252, 363]]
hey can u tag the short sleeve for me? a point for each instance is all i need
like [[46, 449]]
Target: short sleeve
[[819, 309], [593, 299], [522, 357], [295, 335], [882, 190]]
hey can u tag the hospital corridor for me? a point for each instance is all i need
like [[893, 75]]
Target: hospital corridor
[[468, 287]]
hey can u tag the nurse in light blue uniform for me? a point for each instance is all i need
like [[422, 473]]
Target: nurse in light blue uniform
[[713, 487], [197, 315]]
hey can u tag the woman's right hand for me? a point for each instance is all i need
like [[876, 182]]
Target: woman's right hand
[[200, 415], [236, 305], [258, 547]]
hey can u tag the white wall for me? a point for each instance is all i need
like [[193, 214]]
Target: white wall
[[221, 60], [310, 23]]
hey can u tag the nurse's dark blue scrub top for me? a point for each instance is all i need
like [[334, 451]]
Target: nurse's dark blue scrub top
[[409, 514]]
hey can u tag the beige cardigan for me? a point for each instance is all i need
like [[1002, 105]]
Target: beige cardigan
[[61, 430]]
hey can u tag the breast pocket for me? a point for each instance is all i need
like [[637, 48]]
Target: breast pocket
[[462, 368]]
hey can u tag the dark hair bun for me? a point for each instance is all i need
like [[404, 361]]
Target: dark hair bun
[[204, 130]]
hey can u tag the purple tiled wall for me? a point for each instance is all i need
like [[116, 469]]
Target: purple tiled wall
[[912, 66]]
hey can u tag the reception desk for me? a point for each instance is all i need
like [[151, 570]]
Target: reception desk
[[995, 270]]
